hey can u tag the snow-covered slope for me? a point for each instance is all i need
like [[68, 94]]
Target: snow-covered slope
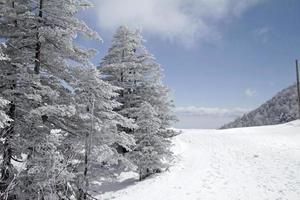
[[282, 108], [260, 163]]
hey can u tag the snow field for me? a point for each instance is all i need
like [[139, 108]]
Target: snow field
[[260, 163]]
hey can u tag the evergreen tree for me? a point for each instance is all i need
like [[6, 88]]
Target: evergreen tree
[[129, 66], [4, 119], [120, 67], [97, 125], [39, 37], [150, 146]]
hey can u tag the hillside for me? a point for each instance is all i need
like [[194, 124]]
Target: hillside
[[245, 163], [281, 108]]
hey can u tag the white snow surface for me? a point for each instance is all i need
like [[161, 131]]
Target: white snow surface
[[260, 163]]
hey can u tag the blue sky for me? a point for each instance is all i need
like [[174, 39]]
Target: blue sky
[[220, 57]]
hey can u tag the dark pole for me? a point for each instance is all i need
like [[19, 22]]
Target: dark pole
[[298, 88]]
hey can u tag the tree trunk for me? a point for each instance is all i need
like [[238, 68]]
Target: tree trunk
[[86, 166], [140, 175], [38, 43]]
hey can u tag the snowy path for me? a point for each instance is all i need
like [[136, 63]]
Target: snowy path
[[238, 164]]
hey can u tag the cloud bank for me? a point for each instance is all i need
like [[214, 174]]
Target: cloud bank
[[206, 118], [185, 21]]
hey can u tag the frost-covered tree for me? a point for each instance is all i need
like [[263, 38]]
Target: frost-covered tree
[[158, 96], [129, 66], [39, 36], [2, 55], [97, 130], [150, 146], [121, 68], [4, 119]]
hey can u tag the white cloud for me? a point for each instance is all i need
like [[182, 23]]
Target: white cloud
[[262, 33], [250, 92], [185, 21], [217, 112], [206, 118]]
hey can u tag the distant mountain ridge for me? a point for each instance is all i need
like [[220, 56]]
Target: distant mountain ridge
[[282, 108]]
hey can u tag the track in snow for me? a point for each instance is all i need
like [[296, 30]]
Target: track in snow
[[260, 163]]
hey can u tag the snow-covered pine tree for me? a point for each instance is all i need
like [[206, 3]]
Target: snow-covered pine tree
[[150, 146], [18, 85], [158, 96], [120, 67], [2, 55], [128, 65], [98, 129], [39, 36], [4, 119]]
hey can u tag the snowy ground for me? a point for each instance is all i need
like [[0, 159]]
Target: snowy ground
[[260, 163]]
